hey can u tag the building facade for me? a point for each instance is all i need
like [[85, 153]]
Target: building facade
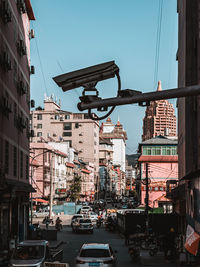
[[15, 35], [159, 119], [187, 195], [118, 137], [77, 129], [160, 153]]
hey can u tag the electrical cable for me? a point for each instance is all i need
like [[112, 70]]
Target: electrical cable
[[158, 41], [41, 66], [112, 109]]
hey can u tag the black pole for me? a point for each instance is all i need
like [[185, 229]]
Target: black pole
[[147, 199], [141, 98]]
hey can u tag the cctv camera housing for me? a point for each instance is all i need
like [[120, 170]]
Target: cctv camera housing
[[84, 76]]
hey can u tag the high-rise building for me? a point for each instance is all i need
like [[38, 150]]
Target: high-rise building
[[15, 69], [51, 123], [159, 119]]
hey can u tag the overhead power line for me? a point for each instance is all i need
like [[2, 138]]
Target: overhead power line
[[159, 26]]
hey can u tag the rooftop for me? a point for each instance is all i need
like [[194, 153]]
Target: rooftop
[[160, 140]]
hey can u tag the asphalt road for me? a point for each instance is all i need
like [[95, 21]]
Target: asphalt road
[[73, 242]]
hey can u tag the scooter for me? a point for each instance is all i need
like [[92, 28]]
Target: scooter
[[58, 226]]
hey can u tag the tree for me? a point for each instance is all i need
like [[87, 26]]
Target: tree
[[75, 188]]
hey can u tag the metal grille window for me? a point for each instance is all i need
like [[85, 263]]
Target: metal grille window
[[6, 157], [21, 164], [67, 133], [14, 161], [67, 126], [39, 116]]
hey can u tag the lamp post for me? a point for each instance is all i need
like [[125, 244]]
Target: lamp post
[[51, 182]]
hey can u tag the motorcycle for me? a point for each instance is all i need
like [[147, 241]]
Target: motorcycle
[[58, 226], [134, 251], [98, 223]]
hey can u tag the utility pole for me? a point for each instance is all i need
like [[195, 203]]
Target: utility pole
[[51, 187], [147, 199]]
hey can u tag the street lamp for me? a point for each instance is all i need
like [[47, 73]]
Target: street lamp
[[51, 183]]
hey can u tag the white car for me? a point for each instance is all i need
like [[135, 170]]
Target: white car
[[75, 217], [96, 254], [92, 215], [41, 214], [85, 209]]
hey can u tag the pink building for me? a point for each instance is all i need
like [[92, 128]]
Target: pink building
[[159, 119], [47, 166], [77, 129], [15, 35], [160, 153]]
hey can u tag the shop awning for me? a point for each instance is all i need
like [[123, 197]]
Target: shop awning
[[41, 200], [19, 186]]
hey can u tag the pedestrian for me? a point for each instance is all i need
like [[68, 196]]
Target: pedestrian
[[47, 221], [169, 244]]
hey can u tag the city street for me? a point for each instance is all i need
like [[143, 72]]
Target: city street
[[73, 242]]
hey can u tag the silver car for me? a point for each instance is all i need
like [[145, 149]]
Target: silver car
[[96, 254], [83, 225]]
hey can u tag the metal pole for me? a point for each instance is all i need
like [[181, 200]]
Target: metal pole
[[51, 187], [147, 198], [141, 98], [31, 193]]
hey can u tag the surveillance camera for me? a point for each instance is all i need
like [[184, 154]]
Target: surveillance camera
[[84, 76]]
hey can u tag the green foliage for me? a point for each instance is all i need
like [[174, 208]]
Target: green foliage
[[75, 188]]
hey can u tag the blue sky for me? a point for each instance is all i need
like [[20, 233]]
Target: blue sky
[[73, 34]]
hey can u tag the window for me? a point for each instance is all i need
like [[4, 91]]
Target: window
[[161, 188], [21, 164], [39, 134], [6, 157], [39, 126], [27, 168], [57, 117], [67, 126], [14, 161], [158, 150], [67, 133], [77, 116], [156, 188], [76, 125], [39, 116], [67, 117]]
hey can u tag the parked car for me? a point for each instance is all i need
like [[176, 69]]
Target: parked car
[[33, 253], [95, 254], [75, 217], [41, 214], [83, 225], [85, 209]]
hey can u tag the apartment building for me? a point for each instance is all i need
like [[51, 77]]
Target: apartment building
[[159, 119], [15, 69], [117, 135], [51, 123]]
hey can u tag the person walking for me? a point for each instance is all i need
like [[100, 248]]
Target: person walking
[[169, 244]]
